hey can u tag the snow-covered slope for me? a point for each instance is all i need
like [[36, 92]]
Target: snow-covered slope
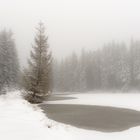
[[20, 120]]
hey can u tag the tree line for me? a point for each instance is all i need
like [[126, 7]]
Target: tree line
[[116, 66]]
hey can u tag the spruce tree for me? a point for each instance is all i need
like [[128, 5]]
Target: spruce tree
[[37, 78]]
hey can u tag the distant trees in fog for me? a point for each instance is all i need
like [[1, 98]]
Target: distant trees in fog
[[9, 66], [115, 66]]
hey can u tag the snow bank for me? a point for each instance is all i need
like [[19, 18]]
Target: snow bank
[[20, 120]]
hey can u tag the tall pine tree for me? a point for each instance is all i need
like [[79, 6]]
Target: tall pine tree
[[37, 77]]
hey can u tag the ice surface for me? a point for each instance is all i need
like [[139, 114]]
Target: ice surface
[[124, 100]]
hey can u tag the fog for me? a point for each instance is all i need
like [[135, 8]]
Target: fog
[[71, 24]]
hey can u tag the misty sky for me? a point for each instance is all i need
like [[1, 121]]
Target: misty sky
[[71, 24]]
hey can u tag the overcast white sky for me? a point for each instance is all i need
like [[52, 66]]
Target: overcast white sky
[[71, 24]]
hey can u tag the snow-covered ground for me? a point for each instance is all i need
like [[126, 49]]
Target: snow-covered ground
[[20, 120]]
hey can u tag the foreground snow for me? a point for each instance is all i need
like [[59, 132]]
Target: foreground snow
[[20, 120]]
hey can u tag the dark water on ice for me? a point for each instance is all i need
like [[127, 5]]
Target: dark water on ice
[[100, 118]]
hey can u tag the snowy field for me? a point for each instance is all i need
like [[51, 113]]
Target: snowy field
[[124, 100], [20, 120]]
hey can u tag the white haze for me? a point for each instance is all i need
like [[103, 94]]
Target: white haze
[[71, 24]]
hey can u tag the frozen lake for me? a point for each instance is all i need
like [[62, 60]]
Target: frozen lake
[[101, 112]]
